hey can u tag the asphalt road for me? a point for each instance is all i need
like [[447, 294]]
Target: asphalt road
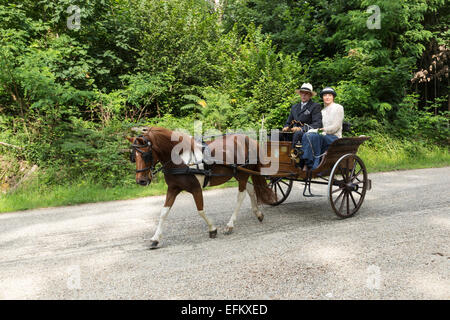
[[397, 247]]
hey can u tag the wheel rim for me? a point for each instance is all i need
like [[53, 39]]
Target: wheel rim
[[347, 185], [281, 187]]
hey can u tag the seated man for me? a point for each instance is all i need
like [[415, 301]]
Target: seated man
[[307, 112], [315, 144]]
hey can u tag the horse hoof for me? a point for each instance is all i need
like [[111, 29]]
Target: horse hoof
[[154, 245], [213, 234], [261, 218], [228, 230]]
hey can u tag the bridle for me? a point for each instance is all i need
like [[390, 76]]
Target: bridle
[[147, 156]]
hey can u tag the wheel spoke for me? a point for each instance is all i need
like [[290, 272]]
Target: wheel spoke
[[284, 185], [284, 182], [274, 184], [353, 199], [356, 175], [339, 196], [342, 173], [347, 170], [354, 167], [284, 195], [348, 204], [342, 204], [342, 188]]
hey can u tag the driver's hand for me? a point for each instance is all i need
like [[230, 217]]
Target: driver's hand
[[285, 129], [295, 129]]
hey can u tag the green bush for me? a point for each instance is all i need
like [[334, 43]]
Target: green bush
[[68, 97], [84, 151]]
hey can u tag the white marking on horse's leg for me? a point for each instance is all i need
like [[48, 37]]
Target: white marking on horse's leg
[[240, 199], [209, 222], [162, 218], [251, 193]]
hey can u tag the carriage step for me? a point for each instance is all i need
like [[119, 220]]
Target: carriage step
[[369, 184]]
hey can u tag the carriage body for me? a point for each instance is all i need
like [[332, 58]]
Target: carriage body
[[340, 169], [281, 151]]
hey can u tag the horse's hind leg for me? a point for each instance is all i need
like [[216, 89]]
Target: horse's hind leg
[[170, 199], [251, 192], [240, 199], [198, 198]]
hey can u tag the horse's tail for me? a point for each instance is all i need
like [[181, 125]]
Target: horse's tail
[[263, 193]]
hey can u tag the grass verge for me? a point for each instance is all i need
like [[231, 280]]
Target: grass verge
[[35, 196], [401, 155]]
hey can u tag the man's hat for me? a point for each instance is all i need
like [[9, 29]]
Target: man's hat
[[328, 90], [306, 87]]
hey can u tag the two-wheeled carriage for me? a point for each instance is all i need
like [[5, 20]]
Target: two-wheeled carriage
[[340, 169]]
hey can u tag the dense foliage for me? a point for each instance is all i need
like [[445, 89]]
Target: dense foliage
[[68, 95]]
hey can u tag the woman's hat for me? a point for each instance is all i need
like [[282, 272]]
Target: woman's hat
[[327, 90], [306, 87]]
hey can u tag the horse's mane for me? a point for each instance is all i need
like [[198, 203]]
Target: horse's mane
[[162, 142]]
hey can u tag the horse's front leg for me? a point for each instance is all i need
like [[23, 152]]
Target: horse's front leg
[[198, 198], [170, 199]]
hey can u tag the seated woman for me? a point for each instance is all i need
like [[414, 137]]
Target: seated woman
[[316, 142]]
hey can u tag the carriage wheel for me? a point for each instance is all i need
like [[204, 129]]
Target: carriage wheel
[[281, 186], [347, 185]]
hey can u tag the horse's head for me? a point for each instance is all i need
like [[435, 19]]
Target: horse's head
[[144, 157]]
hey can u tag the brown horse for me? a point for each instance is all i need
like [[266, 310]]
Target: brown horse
[[177, 151]]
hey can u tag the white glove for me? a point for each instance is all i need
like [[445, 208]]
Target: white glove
[[317, 131]]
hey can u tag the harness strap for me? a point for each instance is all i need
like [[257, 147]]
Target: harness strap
[[188, 170], [208, 172]]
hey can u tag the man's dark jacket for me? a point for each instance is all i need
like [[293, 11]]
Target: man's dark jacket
[[310, 114]]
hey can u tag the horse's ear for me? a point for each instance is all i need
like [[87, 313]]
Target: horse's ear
[[130, 139]]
